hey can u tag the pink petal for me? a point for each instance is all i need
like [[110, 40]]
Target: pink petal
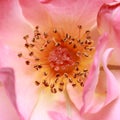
[[92, 80], [57, 116], [13, 25], [90, 86], [108, 21], [73, 93], [8, 81], [7, 111], [35, 12], [26, 90], [61, 11], [109, 112], [75, 96], [112, 85]]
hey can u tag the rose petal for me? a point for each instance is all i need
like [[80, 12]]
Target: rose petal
[[26, 90], [61, 11], [8, 80], [75, 96], [35, 12], [111, 87], [13, 25], [7, 110], [90, 84], [108, 21], [57, 116]]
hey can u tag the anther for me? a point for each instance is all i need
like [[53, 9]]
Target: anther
[[45, 35], [56, 80], [57, 75], [77, 69], [31, 45], [37, 67], [70, 42], [37, 59], [85, 54], [45, 83], [37, 83], [87, 31], [26, 45], [66, 36], [26, 37], [60, 89], [55, 31], [57, 44], [85, 70], [53, 90], [74, 85], [33, 40], [62, 83], [37, 27], [31, 54], [82, 84], [45, 73], [74, 46], [52, 85], [80, 26], [27, 62], [41, 49], [66, 75], [75, 75], [20, 55], [70, 80]]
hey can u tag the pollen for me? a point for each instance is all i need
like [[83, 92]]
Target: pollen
[[58, 58]]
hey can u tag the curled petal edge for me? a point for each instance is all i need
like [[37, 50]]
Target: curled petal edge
[[92, 81]]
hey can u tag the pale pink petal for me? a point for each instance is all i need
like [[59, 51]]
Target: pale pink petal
[[7, 111], [111, 89], [112, 85], [108, 21], [90, 84], [13, 25], [57, 116], [26, 90], [8, 80], [35, 12], [75, 95], [73, 11]]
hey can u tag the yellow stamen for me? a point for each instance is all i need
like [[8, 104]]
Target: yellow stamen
[[59, 58]]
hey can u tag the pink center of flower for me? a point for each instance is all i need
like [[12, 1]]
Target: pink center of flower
[[60, 59]]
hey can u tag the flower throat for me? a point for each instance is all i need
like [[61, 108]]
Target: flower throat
[[59, 58]]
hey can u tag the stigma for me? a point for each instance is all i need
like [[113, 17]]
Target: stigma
[[59, 58]]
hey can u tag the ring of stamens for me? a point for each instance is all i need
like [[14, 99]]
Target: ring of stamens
[[59, 58]]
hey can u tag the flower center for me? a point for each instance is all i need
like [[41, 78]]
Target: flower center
[[59, 58]]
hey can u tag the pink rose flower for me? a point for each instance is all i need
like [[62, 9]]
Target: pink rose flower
[[65, 59]]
